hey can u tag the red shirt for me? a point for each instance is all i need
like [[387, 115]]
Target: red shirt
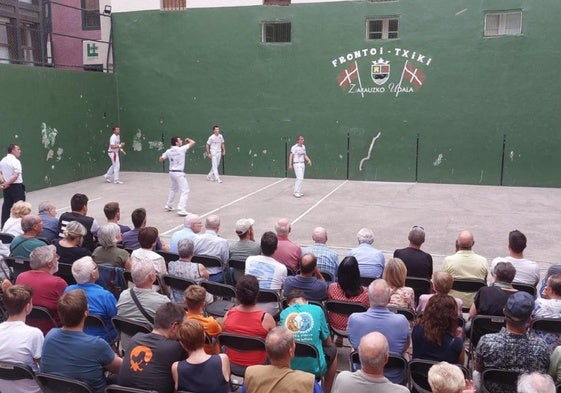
[[248, 323], [288, 253]]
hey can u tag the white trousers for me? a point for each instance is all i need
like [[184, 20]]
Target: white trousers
[[178, 184], [215, 158], [299, 169], [115, 166]]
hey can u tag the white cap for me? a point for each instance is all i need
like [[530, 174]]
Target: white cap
[[243, 225]]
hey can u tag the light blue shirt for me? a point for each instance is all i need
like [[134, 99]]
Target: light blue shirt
[[371, 261], [185, 233], [328, 260]]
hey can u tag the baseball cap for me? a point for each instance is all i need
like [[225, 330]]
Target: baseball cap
[[519, 306], [243, 225]]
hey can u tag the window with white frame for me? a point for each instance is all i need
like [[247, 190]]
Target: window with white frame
[[276, 32], [4, 48], [382, 28], [503, 23]]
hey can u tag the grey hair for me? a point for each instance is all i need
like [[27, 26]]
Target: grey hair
[[46, 206], [379, 293], [27, 222], [190, 219], [278, 342], [212, 222], [319, 235], [535, 383], [282, 230], [444, 377], [141, 270], [365, 235], [82, 269], [41, 256], [107, 234], [185, 248]]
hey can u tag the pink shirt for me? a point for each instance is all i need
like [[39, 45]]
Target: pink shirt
[[288, 253]]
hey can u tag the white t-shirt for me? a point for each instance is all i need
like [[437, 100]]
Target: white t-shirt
[[21, 344], [176, 157], [215, 142], [298, 153], [527, 272], [114, 140], [270, 273], [9, 165]]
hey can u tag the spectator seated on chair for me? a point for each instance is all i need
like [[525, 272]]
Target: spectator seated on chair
[[185, 268], [535, 383], [101, 302], [22, 245], [309, 280], [394, 274], [417, 262], [371, 261], [348, 289], [192, 225], [47, 212], [13, 224], [47, 288], [195, 296], [328, 260], [107, 253], [148, 359], [69, 248], [147, 238], [143, 276], [246, 318], [527, 272], [512, 348], [448, 378], [549, 306], [288, 253], [270, 273], [395, 327], [441, 284], [373, 351], [211, 244], [130, 238], [79, 207], [20, 343], [112, 212], [200, 371], [465, 264], [434, 337], [247, 246], [278, 376], [308, 324], [69, 352]]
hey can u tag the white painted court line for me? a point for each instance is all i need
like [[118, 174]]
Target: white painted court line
[[318, 202], [65, 208], [226, 205]]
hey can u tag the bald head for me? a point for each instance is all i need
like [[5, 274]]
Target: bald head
[[319, 235], [373, 352], [212, 222], [31, 224], [379, 293], [282, 227], [308, 264], [465, 240]]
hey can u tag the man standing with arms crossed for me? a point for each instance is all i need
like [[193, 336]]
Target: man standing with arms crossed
[[297, 159], [176, 155], [115, 147], [215, 147], [12, 180]]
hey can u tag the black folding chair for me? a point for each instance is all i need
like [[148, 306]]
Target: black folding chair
[[494, 380], [96, 322], [242, 343], [168, 256], [421, 286], [56, 384], [65, 272], [305, 350], [418, 374], [482, 325], [366, 280], [343, 308], [39, 313], [270, 296], [410, 315], [526, 288], [327, 276], [395, 362], [128, 328], [6, 238], [176, 286], [17, 265], [225, 298], [239, 268], [469, 287], [207, 261], [11, 371]]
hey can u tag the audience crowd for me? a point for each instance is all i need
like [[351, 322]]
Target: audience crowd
[[74, 263]]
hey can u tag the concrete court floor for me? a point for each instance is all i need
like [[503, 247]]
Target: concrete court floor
[[342, 207]]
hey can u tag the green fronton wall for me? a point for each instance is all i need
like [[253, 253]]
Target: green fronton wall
[[61, 119], [487, 112]]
